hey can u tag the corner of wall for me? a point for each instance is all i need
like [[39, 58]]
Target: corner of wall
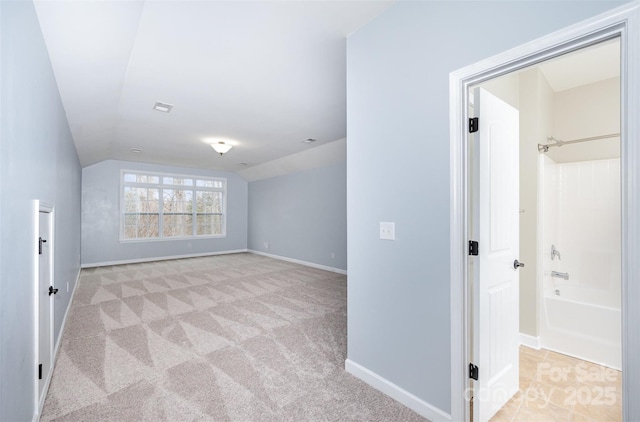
[[414, 403]]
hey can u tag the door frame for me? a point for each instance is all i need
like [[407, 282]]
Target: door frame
[[40, 206], [623, 22]]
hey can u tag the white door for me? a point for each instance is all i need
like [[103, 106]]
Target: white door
[[45, 302], [494, 273]]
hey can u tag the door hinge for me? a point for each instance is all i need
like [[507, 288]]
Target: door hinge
[[40, 371], [473, 247], [40, 242], [474, 123], [473, 372]]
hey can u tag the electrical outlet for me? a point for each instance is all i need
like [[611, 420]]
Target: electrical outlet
[[266, 245], [333, 255], [387, 230]]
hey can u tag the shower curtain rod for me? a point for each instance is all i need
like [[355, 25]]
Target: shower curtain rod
[[559, 143]]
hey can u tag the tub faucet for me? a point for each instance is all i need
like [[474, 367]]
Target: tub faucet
[[557, 274], [554, 252]]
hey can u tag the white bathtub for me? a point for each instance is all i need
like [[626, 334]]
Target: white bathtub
[[583, 323]]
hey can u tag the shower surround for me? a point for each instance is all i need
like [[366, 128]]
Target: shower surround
[[580, 210]]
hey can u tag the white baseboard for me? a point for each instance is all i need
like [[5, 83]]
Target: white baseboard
[[64, 319], [159, 258], [414, 403], [530, 341], [55, 350], [299, 261]]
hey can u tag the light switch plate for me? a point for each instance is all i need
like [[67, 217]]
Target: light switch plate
[[387, 230]]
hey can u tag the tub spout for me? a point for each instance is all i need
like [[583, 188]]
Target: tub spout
[[557, 274]]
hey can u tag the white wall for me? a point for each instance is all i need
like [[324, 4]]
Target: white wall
[[398, 170], [101, 217], [586, 111], [506, 87], [38, 161], [536, 124]]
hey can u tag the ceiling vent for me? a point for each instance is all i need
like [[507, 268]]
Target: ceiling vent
[[163, 107]]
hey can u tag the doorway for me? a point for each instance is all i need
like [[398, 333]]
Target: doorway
[[44, 303], [622, 23], [568, 113]]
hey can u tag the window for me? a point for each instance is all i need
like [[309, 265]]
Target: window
[[161, 206]]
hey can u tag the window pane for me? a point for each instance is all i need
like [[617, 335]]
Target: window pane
[[130, 224], [203, 227], [140, 226], [209, 225], [141, 199], [140, 178], [130, 200], [177, 206], [181, 181], [204, 183], [217, 225], [177, 201], [208, 202], [203, 199], [177, 225], [217, 202]]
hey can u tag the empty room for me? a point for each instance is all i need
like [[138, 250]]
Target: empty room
[[272, 210]]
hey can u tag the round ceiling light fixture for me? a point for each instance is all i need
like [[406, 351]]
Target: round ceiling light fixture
[[221, 147]]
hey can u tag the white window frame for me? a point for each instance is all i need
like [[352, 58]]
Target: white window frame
[[160, 186]]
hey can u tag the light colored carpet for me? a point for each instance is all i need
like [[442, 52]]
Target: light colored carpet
[[226, 338]]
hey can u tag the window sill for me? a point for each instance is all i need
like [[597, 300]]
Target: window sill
[[171, 239]]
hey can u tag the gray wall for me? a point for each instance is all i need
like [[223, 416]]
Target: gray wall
[[398, 93], [301, 215], [101, 217], [37, 161]]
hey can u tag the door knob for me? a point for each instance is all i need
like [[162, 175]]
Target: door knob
[[517, 264], [52, 291]]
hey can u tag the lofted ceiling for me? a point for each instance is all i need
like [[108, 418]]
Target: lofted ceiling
[[261, 75]]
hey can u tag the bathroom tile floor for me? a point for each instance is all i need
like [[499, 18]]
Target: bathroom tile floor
[[556, 387]]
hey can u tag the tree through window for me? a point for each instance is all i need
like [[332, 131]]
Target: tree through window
[[170, 206]]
